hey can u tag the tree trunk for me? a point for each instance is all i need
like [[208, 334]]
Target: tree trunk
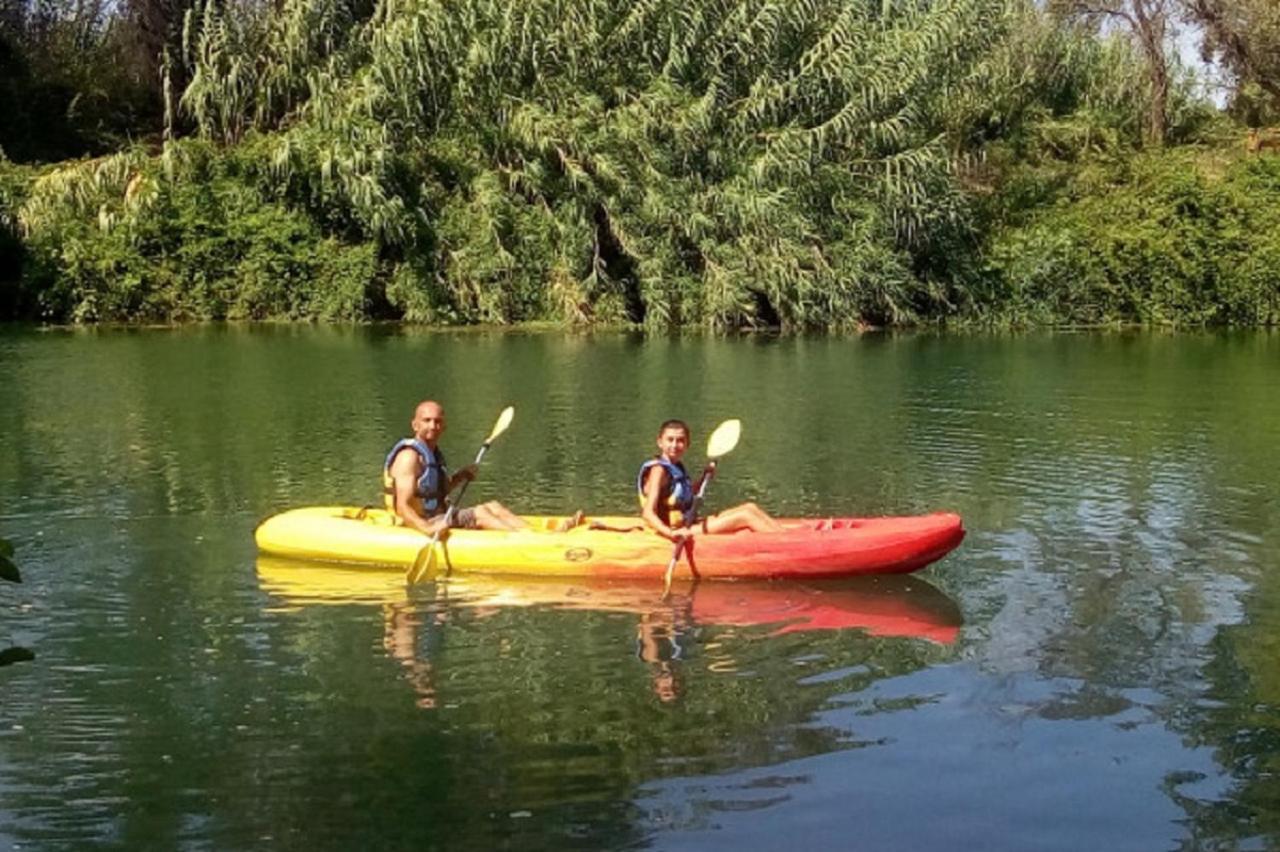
[[1151, 25], [1158, 113]]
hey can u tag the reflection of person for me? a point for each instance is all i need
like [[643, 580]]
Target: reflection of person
[[657, 643], [400, 638], [667, 494], [416, 483]]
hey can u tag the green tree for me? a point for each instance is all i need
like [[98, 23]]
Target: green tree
[[81, 78], [1244, 37], [1148, 23]]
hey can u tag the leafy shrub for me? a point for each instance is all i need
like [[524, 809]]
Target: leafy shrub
[[1173, 238], [14, 181], [205, 244]]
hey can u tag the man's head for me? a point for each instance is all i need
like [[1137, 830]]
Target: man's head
[[428, 421], [673, 439]]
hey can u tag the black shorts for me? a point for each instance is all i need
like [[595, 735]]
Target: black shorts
[[463, 519]]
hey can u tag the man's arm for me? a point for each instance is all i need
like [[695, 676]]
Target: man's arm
[[406, 467], [465, 474]]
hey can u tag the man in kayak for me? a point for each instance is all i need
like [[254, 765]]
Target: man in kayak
[[667, 494], [416, 483]]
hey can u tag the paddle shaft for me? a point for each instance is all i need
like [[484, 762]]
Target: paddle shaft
[[448, 519], [453, 504], [707, 474]]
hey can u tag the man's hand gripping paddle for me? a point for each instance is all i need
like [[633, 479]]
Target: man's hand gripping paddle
[[722, 441], [426, 557]]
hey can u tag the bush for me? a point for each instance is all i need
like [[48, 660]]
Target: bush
[[14, 181], [206, 244], [1181, 237]]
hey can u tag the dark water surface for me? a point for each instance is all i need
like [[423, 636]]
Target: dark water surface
[[1097, 667]]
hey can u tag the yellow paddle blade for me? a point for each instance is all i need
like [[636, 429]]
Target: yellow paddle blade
[[504, 420], [724, 438]]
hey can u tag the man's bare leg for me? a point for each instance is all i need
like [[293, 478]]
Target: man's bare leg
[[495, 516]]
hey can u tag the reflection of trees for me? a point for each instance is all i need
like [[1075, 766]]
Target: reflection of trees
[[1128, 507], [1239, 714], [1104, 484], [220, 419]]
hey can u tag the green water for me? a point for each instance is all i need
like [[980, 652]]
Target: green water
[[1095, 667]]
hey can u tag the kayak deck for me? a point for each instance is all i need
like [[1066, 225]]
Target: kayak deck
[[617, 547]]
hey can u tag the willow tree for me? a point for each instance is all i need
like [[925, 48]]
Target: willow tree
[[729, 163]]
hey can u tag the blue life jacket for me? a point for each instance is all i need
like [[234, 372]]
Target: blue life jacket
[[679, 489], [432, 485]]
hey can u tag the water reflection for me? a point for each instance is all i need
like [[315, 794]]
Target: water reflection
[[665, 628], [1120, 590]]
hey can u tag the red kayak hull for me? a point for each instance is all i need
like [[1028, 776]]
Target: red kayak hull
[[834, 547]]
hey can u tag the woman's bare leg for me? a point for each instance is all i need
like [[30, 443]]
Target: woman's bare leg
[[747, 516]]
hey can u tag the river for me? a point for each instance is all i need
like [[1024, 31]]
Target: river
[[1097, 665]]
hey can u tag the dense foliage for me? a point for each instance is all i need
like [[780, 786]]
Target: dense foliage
[[199, 241], [1180, 238], [703, 162], [74, 79]]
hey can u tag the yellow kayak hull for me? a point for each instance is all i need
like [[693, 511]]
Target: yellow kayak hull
[[614, 547]]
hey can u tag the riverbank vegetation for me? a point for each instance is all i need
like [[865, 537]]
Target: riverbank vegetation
[[702, 163]]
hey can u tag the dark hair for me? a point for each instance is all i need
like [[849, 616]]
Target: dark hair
[[674, 424]]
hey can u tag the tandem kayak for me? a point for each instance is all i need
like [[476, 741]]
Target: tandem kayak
[[617, 547]]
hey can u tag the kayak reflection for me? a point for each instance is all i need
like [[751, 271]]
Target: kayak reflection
[[891, 605], [414, 619]]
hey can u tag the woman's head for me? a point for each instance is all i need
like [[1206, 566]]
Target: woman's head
[[673, 439]]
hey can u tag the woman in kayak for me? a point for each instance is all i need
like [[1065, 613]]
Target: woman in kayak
[[667, 494]]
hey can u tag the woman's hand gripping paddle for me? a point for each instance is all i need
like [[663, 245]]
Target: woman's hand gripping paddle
[[722, 441], [426, 556]]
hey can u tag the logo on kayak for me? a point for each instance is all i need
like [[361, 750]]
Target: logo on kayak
[[577, 554]]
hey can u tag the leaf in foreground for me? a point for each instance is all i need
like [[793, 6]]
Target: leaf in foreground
[[9, 571], [16, 654]]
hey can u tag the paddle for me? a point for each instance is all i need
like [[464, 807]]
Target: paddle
[[420, 566], [722, 441]]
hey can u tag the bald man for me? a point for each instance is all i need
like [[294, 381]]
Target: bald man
[[416, 483]]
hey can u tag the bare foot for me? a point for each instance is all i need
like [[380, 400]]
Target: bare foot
[[570, 523]]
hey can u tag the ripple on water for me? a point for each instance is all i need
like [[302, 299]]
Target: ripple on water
[[1102, 648]]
